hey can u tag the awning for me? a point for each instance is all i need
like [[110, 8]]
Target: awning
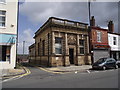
[[7, 39]]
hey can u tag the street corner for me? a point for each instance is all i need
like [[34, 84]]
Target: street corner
[[52, 70], [16, 73], [65, 70]]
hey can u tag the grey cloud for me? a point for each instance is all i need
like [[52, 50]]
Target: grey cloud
[[39, 12], [104, 12]]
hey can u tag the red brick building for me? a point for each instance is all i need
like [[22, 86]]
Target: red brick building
[[99, 41]]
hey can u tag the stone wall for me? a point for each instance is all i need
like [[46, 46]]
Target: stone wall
[[70, 39]]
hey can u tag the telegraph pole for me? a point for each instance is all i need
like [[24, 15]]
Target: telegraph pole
[[89, 9], [90, 48], [23, 46]]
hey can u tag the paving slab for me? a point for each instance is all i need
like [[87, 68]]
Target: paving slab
[[70, 68], [9, 73]]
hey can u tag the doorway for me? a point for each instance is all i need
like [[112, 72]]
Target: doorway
[[71, 55], [5, 53]]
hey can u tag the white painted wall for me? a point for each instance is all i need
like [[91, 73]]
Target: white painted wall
[[11, 9], [110, 40]]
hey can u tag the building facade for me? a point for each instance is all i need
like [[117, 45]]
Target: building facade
[[61, 42], [114, 42], [99, 41], [8, 33]]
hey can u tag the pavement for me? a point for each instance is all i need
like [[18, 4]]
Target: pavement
[[42, 79], [68, 69], [10, 73]]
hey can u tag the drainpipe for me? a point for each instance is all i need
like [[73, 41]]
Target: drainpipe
[[17, 33], [48, 52]]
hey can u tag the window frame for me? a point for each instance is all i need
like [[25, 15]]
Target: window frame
[[114, 40], [43, 47], [61, 52], [3, 21], [38, 49], [99, 36], [82, 46], [2, 1]]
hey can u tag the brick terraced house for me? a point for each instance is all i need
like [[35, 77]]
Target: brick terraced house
[[99, 41], [61, 42]]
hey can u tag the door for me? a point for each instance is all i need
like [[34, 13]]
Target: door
[[97, 54], [71, 55], [114, 55]]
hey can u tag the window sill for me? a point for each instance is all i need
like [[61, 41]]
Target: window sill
[[58, 54], [4, 61], [99, 41], [4, 3], [81, 54], [2, 27]]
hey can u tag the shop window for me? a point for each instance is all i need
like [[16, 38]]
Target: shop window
[[2, 18], [58, 45], [81, 42], [5, 53]]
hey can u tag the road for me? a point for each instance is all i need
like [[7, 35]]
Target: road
[[42, 79]]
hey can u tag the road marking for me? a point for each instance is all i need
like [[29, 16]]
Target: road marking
[[88, 71], [18, 76], [50, 71]]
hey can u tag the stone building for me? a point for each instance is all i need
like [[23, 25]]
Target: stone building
[[61, 42]]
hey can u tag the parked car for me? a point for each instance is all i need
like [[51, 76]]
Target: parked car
[[118, 63], [105, 63]]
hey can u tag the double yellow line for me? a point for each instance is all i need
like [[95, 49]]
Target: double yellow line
[[50, 71], [25, 74]]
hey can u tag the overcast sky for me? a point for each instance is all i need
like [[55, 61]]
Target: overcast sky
[[33, 14]]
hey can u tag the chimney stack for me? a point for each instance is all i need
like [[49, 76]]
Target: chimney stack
[[92, 21], [110, 26]]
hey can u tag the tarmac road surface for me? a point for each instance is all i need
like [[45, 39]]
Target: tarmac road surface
[[42, 79]]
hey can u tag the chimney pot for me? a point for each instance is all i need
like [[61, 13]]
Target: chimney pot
[[111, 26], [92, 21]]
